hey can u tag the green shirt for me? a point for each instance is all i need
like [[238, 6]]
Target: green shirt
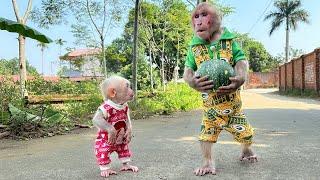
[[237, 52]]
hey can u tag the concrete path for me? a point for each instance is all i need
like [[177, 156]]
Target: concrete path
[[165, 147]]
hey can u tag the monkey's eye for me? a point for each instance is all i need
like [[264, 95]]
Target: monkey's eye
[[196, 16], [204, 14]]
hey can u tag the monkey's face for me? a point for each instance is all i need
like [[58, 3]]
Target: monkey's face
[[124, 92], [203, 23]]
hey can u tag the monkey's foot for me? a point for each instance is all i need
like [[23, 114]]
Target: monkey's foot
[[205, 170], [248, 155], [107, 173], [128, 167]]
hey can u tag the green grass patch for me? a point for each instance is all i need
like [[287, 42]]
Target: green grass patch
[[307, 93]]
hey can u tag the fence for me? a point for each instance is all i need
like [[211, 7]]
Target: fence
[[301, 74]]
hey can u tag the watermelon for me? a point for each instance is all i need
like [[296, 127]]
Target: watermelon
[[217, 70]]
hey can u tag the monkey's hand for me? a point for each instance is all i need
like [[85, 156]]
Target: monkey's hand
[[107, 173], [128, 136], [128, 167], [112, 135], [201, 84], [236, 82]]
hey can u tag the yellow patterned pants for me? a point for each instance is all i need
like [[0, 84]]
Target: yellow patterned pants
[[224, 113]]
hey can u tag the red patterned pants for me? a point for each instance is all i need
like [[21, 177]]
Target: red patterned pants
[[103, 151]]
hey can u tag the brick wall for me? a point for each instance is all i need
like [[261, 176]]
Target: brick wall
[[301, 73], [262, 80]]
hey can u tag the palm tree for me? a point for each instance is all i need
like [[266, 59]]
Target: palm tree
[[60, 42], [42, 46], [290, 13]]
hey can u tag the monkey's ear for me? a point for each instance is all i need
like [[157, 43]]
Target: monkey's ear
[[111, 92]]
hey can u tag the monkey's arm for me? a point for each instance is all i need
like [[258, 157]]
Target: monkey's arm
[[128, 134], [100, 122], [129, 120]]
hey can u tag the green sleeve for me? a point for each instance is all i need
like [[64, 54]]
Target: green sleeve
[[190, 61], [237, 52]]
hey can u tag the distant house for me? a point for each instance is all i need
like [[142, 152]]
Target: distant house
[[83, 63]]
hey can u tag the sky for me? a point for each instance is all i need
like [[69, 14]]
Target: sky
[[248, 17]]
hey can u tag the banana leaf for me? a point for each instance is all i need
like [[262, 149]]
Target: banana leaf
[[13, 26]]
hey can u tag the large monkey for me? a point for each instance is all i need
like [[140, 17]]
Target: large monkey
[[222, 109], [113, 121]]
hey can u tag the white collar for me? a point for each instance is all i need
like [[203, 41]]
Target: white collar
[[115, 105]]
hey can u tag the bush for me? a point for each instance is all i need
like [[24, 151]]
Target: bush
[[177, 97], [9, 93], [37, 121], [39, 86], [48, 120]]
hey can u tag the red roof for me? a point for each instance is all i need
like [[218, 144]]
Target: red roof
[[80, 52]]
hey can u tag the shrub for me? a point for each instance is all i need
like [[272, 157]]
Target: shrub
[[177, 97]]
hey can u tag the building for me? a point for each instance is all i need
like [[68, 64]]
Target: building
[[82, 63]]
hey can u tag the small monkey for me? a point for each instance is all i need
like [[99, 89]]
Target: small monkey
[[222, 109], [114, 125]]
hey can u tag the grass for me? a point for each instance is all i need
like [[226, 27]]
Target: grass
[[307, 93]]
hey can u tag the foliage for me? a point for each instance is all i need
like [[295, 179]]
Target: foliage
[[39, 86], [9, 93], [178, 97], [11, 67], [37, 122], [259, 59], [118, 55], [293, 53], [143, 76]]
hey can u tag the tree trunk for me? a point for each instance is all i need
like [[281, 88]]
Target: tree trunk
[[176, 69], [104, 61], [287, 40], [21, 39], [151, 74], [42, 49], [134, 59], [162, 61], [22, 66]]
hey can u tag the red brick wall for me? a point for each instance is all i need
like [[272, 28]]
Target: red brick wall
[[283, 81], [289, 75], [302, 73], [262, 80], [297, 64], [310, 71]]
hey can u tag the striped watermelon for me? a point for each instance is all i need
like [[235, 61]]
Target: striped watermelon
[[217, 70]]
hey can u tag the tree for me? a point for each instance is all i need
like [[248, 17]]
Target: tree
[[60, 42], [11, 67], [259, 59], [21, 39], [93, 19], [135, 39], [290, 13], [42, 46]]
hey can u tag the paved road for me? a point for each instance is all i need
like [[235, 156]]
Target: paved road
[[165, 147]]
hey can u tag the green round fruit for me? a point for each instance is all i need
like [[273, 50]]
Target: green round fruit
[[217, 70]]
